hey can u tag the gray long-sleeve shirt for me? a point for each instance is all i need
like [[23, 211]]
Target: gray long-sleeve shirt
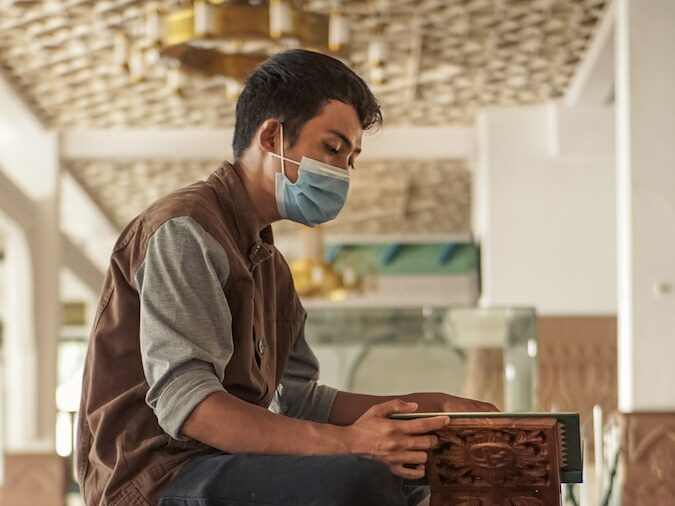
[[186, 334]]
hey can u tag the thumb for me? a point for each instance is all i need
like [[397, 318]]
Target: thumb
[[394, 406]]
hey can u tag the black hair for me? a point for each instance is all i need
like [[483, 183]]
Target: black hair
[[294, 86]]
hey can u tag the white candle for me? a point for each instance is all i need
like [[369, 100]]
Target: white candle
[[597, 440]]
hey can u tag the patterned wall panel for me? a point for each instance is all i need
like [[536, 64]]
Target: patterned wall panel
[[647, 459], [577, 364]]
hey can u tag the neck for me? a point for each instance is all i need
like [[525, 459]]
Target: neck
[[260, 190]]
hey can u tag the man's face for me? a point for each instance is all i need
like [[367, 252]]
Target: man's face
[[332, 137]]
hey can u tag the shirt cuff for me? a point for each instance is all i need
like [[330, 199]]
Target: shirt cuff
[[181, 396], [323, 403]]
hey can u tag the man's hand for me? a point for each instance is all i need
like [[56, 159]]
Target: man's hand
[[451, 403], [349, 407], [395, 442]]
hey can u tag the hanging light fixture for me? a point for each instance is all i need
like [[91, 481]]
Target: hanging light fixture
[[136, 64], [281, 18], [378, 53], [338, 31], [225, 38], [175, 80]]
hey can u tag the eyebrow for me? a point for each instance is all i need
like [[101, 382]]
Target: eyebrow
[[344, 139]]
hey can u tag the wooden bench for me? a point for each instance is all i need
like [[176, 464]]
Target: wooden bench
[[33, 479]]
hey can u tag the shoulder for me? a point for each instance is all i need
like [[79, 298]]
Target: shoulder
[[180, 249], [190, 213], [197, 201]]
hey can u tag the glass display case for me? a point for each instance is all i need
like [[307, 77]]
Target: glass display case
[[483, 353]]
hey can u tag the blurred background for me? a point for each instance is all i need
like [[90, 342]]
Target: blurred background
[[509, 233]]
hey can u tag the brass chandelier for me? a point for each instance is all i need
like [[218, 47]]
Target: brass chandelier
[[223, 39]]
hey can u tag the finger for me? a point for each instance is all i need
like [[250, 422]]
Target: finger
[[426, 442], [408, 457], [394, 406], [478, 406], [407, 473], [424, 425]]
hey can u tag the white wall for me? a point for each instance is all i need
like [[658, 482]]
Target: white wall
[[646, 203], [545, 209]]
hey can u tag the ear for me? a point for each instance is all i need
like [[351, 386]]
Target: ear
[[269, 136]]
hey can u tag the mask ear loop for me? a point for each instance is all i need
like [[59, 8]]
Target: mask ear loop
[[283, 157]]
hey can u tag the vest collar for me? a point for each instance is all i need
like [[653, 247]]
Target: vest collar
[[256, 245]]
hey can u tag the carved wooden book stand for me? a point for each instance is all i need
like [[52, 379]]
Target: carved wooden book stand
[[497, 462]]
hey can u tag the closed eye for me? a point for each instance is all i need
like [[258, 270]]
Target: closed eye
[[336, 151], [331, 149]]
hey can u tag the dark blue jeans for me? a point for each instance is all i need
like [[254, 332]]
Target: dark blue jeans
[[269, 480]]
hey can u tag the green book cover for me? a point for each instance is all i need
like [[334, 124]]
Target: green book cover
[[571, 472]]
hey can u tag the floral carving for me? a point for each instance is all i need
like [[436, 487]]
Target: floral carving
[[484, 456], [496, 462], [513, 501]]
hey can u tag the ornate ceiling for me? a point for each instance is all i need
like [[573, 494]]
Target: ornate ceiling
[[430, 197], [446, 59]]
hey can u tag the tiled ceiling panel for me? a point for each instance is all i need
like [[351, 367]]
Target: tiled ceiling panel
[[385, 197], [446, 59]]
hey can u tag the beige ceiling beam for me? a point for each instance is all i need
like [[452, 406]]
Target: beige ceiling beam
[[20, 209], [157, 144], [419, 143], [422, 143], [75, 260], [593, 84], [15, 204]]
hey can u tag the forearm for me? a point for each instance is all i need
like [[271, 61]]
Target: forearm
[[348, 407], [232, 425]]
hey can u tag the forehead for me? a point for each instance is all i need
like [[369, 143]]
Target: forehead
[[337, 116]]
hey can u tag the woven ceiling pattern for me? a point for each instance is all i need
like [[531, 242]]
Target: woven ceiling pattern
[[124, 189], [447, 58], [385, 197], [407, 197]]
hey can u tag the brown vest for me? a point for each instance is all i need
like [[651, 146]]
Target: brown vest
[[123, 456]]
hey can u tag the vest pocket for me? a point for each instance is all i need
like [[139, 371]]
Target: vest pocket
[[129, 495], [82, 453]]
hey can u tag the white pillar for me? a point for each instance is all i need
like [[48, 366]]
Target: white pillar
[[33, 320], [20, 380], [29, 157], [46, 263], [645, 153]]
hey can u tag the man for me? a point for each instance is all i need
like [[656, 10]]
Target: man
[[199, 386]]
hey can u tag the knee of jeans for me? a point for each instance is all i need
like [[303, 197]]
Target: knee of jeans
[[362, 481]]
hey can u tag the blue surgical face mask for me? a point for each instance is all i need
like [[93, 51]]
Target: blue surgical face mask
[[317, 196]]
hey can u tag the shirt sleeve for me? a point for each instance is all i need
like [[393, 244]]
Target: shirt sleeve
[[185, 320], [299, 394]]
